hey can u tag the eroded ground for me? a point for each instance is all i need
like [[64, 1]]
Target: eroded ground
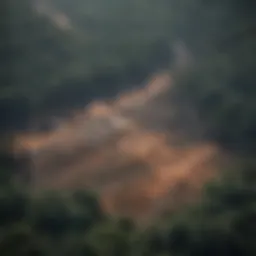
[[121, 150]]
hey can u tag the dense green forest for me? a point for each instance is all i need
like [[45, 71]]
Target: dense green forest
[[116, 44], [107, 49], [220, 82]]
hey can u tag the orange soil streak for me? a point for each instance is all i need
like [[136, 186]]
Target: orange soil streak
[[133, 169]]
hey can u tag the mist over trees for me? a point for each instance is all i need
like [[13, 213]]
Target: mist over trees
[[107, 49], [114, 45]]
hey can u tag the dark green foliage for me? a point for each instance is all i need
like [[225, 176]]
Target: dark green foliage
[[107, 50], [114, 44], [87, 211], [222, 224], [220, 85], [20, 240], [13, 205], [224, 99], [51, 215], [47, 224]]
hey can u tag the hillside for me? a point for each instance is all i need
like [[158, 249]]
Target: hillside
[[128, 128], [117, 149]]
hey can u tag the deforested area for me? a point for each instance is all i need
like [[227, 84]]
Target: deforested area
[[127, 127]]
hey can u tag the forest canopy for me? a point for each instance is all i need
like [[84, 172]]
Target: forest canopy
[[113, 45]]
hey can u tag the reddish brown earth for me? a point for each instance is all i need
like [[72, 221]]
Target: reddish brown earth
[[109, 148]]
